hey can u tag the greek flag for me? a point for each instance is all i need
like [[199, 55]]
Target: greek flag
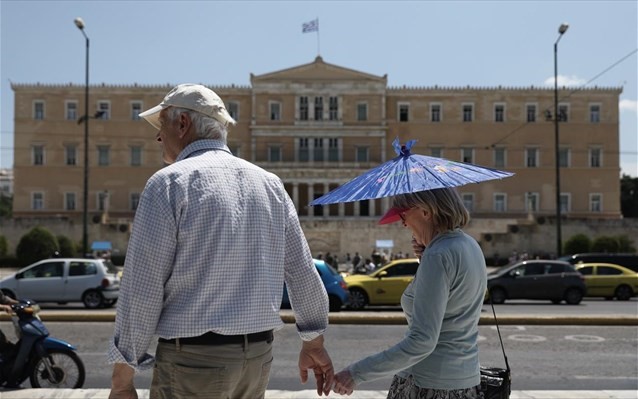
[[312, 26]]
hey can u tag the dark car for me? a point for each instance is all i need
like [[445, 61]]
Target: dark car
[[630, 261], [537, 279], [338, 294]]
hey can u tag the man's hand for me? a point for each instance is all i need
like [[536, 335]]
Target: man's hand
[[122, 382], [6, 308], [344, 383], [314, 356]]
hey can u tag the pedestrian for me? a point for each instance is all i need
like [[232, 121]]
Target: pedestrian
[[213, 240], [438, 357], [356, 260]]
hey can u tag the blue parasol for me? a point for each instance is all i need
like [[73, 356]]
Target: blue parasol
[[409, 173]]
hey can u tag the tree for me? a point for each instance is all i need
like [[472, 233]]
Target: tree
[[577, 244], [629, 196], [67, 247], [625, 244], [37, 244], [4, 246], [605, 244], [6, 206]]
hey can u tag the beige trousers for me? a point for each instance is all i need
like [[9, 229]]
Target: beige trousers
[[232, 371]]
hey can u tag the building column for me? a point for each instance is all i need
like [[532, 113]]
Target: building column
[[357, 209], [372, 207], [295, 195], [326, 208], [342, 209], [311, 197]]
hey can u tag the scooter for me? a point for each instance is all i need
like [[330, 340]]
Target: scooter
[[48, 362]]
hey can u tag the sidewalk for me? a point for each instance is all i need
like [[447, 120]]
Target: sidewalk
[[309, 394]]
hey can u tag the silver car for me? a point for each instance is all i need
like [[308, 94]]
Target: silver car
[[91, 281]]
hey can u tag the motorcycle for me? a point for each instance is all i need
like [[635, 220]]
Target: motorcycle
[[48, 362]]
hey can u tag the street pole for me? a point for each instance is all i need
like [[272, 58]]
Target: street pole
[[85, 210], [559, 242]]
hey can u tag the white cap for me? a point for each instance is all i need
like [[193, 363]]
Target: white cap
[[191, 96]]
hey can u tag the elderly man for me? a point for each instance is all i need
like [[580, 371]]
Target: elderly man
[[214, 239]]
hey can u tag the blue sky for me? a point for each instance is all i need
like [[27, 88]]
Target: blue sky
[[417, 43]]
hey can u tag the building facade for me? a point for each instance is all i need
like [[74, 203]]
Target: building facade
[[319, 125]]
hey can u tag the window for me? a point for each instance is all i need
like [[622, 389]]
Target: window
[[499, 157], [274, 153], [563, 157], [37, 154], [586, 271], [318, 108], [404, 112], [303, 108], [275, 111], [105, 108], [334, 108], [304, 150], [233, 110], [531, 202], [595, 202], [500, 202], [499, 112], [467, 155], [38, 110], [531, 157], [563, 112], [318, 150], [43, 270], [594, 113], [71, 154], [403, 269], [435, 113], [333, 150], [531, 112], [136, 155], [82, 269], [565, 203], [436, 152], [69, 201], [468, 201], [595, 157], [136, 110], [103, 201], [103, 155], [37, 201], [364, 208], [134, 201], [362, 154], [71, 110], [362, 112], [468, 112], [607, 271]]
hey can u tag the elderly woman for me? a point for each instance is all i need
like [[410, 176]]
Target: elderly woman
[[438, 357]]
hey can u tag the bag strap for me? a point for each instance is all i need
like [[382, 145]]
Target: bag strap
[[507, 365]]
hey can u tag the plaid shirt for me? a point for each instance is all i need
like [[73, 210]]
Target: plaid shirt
[[214, 239]]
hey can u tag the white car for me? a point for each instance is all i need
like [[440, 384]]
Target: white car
[[91, 281]]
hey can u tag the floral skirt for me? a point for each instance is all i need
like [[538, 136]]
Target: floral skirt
[[404, 388]]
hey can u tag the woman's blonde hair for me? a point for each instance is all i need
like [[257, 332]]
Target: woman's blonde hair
[[446, 205]]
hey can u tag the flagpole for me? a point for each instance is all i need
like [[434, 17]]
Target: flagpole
[[318, 46]]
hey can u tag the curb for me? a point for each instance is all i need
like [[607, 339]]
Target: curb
[[376, 319]]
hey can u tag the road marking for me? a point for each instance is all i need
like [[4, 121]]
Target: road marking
[[480, 338], [527, 338], [509, 328], [584, 338], [602, 377]]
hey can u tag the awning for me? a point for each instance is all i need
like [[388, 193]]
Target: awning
[[101, 246], [385, 244]]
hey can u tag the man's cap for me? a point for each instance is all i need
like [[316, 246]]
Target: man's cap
[[194, 97], [392, 215]]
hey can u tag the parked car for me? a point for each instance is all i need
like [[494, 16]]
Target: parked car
[[609, 281], [91, 281], [537, 279], [630, 261], [383, 286], [338, 295]]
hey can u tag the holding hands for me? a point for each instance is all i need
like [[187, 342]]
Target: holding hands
[[344, 383]]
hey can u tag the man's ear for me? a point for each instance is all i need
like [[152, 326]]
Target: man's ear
[[185, 124]]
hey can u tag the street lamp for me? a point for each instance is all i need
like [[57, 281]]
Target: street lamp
[[85, 210], [557, 116]]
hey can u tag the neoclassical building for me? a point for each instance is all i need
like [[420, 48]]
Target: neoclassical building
[[317, 126]]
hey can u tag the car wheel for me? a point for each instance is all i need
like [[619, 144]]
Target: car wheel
[[573, 296], [108, 303], [335, 303], [358, 299], [556, 301], [498, 295], [92, 299], [624, 293]]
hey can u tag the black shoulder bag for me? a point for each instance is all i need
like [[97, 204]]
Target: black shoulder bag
[[496, 382]]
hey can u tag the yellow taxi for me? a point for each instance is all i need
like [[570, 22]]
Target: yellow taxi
[[383, 286], [608, 280]]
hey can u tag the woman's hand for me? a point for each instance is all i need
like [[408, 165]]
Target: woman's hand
[[344, 383]]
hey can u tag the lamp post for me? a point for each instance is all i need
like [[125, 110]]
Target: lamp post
[[85, 211], [559, 242]]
